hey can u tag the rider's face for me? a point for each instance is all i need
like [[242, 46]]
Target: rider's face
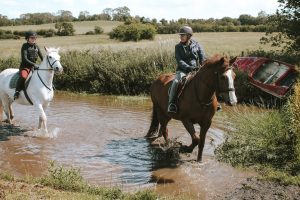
[[32, 39], [183, 38]]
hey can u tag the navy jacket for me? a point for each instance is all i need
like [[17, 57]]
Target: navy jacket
[[189, 57]]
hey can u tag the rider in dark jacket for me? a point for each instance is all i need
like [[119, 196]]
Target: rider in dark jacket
[[29, 55], [189, 56]]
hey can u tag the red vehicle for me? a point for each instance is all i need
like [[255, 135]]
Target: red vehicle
[[272, 76]]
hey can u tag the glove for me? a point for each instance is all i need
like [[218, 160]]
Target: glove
[[35, 67]]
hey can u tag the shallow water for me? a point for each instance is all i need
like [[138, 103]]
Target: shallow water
[[104, 137]]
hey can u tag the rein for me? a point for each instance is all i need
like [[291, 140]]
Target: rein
[[49, 69]]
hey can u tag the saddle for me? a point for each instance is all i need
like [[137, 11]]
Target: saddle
[[183, 83], [14, 79]]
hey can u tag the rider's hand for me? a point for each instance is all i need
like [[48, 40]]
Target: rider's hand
[[35, 66]]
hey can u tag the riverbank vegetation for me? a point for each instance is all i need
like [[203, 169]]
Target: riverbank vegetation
[[65, 183], [267, 141]]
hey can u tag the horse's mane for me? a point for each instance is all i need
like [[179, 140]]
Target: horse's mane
[[209, 64]]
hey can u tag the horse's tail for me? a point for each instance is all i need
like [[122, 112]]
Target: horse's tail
[[154, 122]]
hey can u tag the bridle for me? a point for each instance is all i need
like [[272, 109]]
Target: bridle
[[50, 69], [217, 85]]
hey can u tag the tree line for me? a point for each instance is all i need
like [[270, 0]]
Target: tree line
[[123, 14]]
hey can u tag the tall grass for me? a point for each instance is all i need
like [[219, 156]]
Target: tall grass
[[268, 141], [128, 72]]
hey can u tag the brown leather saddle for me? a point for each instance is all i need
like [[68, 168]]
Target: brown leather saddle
[[183, 83]]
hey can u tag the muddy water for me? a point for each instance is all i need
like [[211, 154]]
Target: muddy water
[[103, 136]]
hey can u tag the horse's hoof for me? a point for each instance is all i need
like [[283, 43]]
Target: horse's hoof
[[185, 149]]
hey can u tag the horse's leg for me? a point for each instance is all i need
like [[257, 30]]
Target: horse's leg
[[42, 117], [163, 120], [189, 126], [11, 112], [203, 131], [6, 104]]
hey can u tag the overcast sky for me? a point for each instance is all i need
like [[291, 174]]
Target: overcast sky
[[168, 9]]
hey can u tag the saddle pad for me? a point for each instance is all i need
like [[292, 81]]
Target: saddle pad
[[13, 80]]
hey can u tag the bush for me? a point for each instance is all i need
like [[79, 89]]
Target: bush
[[63, 178], [10, 62], [46, 32], [98, 30], [133, 31], [90, 33], [65, 28], [268, 140]]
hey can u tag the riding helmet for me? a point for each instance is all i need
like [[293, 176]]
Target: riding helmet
[[30, 34], [186, 30]]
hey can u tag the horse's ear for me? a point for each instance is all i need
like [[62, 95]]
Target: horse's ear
[[46, 49], [58, 49], [222, 60], [232, 60]]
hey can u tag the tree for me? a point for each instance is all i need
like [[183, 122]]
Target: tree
[[65, 16], [108, 12], [286, 23], [64, 28], [121, 14], [83, 16]]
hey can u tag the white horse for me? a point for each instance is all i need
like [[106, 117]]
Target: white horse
[[39, 89]]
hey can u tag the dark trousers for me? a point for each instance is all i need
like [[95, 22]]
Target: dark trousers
[[20, 84]]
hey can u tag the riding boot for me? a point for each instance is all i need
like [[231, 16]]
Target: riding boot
[[172, 97], [19, 87], [219, 107]]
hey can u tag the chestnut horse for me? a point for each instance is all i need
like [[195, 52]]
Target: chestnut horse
[[197, 103]]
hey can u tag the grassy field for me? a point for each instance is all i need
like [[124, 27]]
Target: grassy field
[[80, 27], [225, 42], [232, 43]]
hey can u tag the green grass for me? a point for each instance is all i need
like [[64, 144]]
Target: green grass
[[67, 183], [229, 43], [268, 141], [80, 27]]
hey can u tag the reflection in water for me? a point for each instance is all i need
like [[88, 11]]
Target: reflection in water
[[104, 137], [137, 158]]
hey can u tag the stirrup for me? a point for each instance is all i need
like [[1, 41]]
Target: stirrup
[[16, 95], [172, 108]]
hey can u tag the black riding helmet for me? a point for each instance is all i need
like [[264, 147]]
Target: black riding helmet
[[30, 34], [186, 30]]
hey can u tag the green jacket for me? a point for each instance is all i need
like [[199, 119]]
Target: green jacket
[[189, 57]]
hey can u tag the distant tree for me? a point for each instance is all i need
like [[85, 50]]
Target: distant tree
[[108, 12], [65, 16], [286, 27], [247, 20], [121, 13], [4, 21], [83, 16], [65, 28], [164, 22]]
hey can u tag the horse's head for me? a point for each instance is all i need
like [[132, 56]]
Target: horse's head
[[53, 59], [225, 80]]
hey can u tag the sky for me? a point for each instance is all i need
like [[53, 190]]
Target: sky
[[167, 9]]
